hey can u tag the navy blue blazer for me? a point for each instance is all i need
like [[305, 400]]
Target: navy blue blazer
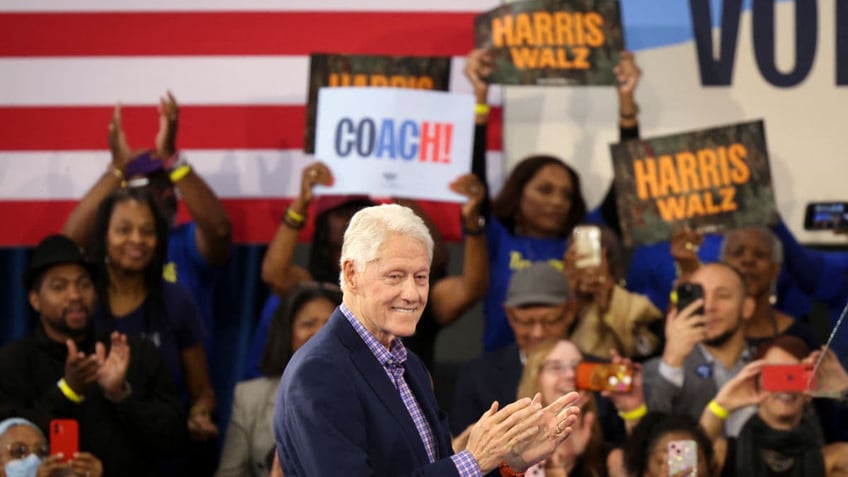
[[338, 412]]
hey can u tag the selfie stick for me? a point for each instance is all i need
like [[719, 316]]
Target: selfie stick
[[826, 347]]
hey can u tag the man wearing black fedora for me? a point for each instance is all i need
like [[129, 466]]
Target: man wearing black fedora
[[116, 387]]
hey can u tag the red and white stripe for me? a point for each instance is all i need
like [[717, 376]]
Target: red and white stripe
[[240, 78]]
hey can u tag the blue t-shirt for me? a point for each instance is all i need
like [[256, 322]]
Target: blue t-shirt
[[187, 267], [508, 253], [171, 327]]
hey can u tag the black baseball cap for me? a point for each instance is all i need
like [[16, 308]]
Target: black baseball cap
[[55, 250]]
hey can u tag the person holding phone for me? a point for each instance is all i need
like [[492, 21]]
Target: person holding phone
[[116, 387], [354, 400], [541, 201], [609, 317], [24, 452], [702, 351], [758, 254], [784, 436]]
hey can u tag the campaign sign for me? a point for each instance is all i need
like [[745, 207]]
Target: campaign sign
[[417, 72], [392, 142], [552, 42], [709, 180]]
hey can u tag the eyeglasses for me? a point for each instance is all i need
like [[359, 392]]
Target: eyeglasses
[[19, 450], [559, 368], [545, 322]]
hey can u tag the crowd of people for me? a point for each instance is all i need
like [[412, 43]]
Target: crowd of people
[[339, 378]]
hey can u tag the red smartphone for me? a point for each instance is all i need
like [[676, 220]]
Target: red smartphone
[[604, 377], [787, 378], [64, 438]]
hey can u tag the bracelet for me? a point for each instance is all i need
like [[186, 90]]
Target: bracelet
[[68, 392], [295, 216], [179, 173], [481, 109], [506, 471], [293, 220], [717, 410], [637, 413], [474, 232], [115, 172]]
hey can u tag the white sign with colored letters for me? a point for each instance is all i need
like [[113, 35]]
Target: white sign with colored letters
[[394, 142]]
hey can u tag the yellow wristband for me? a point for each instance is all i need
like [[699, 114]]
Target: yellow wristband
[[717, 410], [481, 109], [179, 172], [68, 392], [295, 216], [637, 413]]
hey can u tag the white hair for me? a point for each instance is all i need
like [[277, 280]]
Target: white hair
[[370, 228]]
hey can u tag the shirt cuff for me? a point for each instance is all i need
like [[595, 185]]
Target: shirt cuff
[[466, 465], [673, 375]]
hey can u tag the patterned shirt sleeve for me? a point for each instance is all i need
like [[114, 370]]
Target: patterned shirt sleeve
[[466, 465]]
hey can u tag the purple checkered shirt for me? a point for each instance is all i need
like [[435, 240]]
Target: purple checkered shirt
[[392, 361]]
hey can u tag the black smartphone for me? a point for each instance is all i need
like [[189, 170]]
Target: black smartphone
[[826, 216], [686, 293]]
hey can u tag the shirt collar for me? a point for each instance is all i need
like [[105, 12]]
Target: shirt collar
[[744, 358], [395, 355]]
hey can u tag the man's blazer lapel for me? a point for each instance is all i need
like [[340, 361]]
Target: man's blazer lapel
[[374, 374], [419, 383]]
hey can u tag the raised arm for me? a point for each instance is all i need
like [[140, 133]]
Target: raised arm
[[742, 390], [81, 220], [454, 295], [627, 74], [278, 271], [214, 232], [477, 68]]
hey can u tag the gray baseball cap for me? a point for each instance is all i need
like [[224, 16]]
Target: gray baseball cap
[[539, 284]]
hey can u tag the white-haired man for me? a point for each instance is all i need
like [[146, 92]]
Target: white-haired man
[[353, 400]]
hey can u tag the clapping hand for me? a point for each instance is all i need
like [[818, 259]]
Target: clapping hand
[[112, 374], [166, 137], [555, 426]]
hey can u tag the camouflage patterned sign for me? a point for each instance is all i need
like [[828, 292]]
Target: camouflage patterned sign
[[431, 73], [708, 180], [552, 42]]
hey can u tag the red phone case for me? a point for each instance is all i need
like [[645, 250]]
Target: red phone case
[[64, 438], [787, 378]]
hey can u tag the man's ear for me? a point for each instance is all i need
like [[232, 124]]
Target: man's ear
[[748, 307], [349, 275], [34, 300]]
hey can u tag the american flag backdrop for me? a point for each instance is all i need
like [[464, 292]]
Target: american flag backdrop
[[238, 70]]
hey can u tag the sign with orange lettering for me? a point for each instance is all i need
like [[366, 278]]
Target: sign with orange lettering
[[552, 42], [429, 73], [709, 180]]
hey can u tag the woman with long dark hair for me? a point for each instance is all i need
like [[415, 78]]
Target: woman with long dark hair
[[540, 203], [129, 247]]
